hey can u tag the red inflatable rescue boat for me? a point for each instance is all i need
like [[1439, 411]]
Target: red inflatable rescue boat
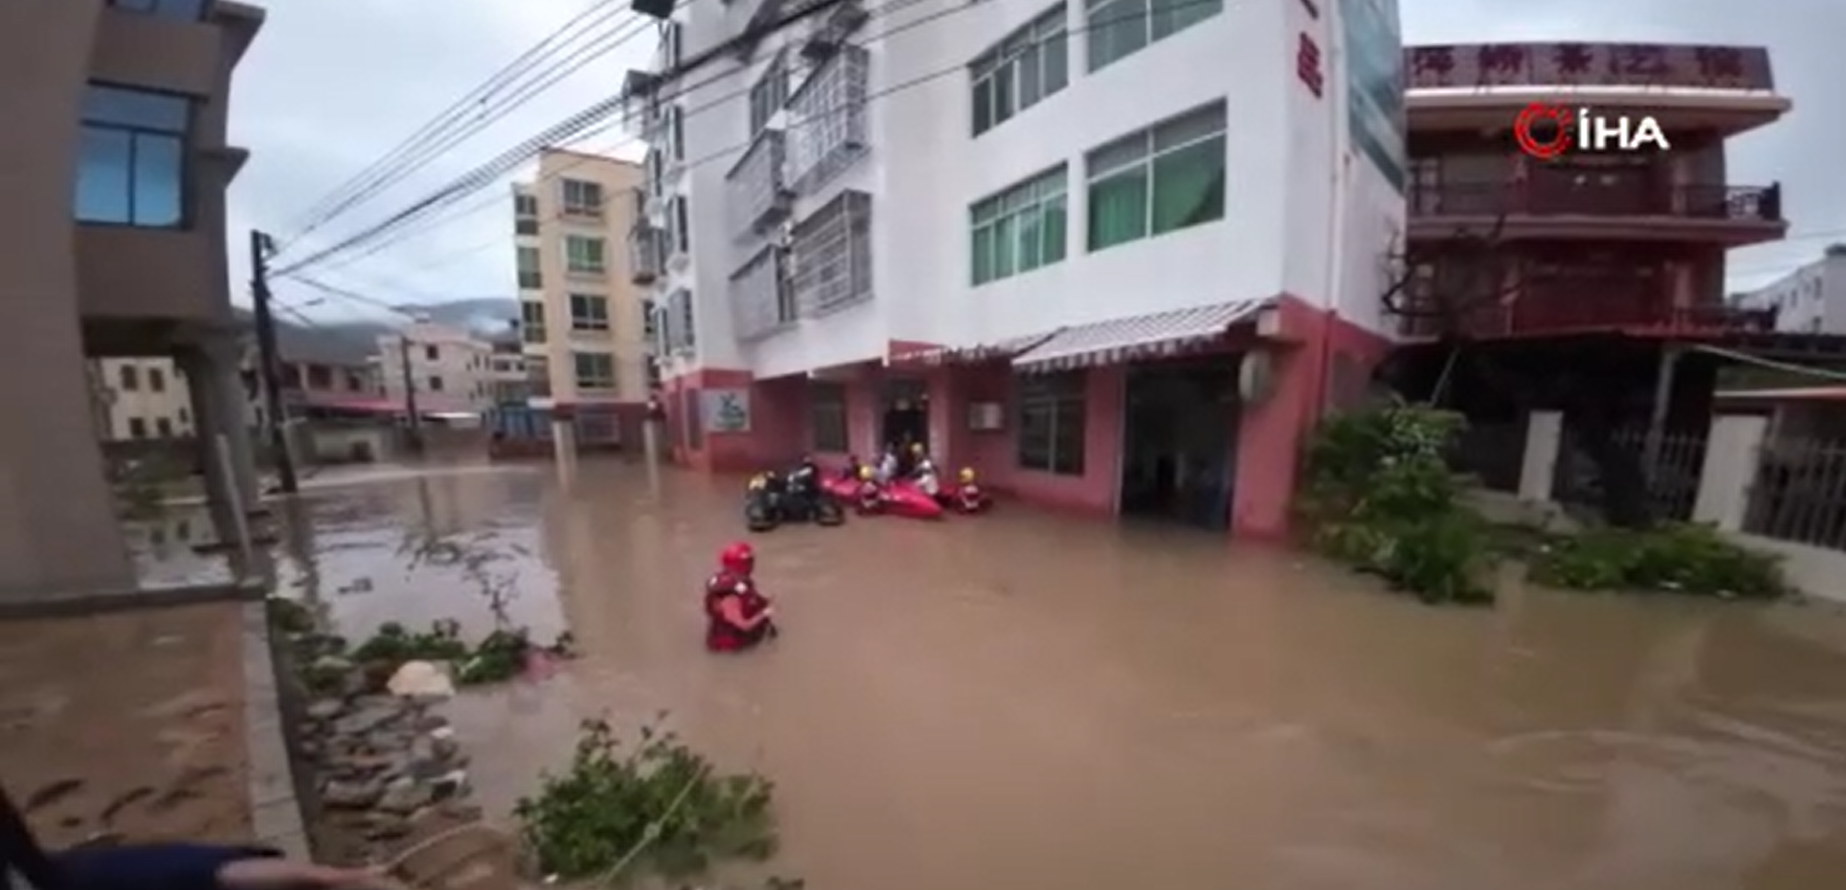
[[905, 498]]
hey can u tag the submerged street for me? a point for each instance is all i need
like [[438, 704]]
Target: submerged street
[[1030, 701]]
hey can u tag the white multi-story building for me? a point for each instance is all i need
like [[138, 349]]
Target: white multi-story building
[[1811, 299], [1030, 234], [450, 369]]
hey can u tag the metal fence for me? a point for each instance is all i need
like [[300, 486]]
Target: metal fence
[[1672, 483], [1799, 493], [1493, 453]]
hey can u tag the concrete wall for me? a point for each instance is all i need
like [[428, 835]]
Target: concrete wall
[[462, 363]]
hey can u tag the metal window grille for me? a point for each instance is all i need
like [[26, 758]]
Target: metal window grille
[[760, 301], [755, 190], [832, 256], [682, 334], [827, 130]]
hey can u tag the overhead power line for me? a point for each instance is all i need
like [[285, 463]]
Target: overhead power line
[[571, 127], [451, 125]]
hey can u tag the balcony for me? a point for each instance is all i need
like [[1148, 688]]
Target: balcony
[[757, 195], [832, 256], [1594, 205], [1637, 307], [761, 300], [827, 127], [647, 253]]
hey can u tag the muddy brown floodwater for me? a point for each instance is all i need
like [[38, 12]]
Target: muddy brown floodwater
[[1033, 702]]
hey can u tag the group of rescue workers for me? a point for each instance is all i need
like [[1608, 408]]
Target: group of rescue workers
[[739, 615]]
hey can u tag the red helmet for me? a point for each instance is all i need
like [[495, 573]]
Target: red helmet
[[738, 559]]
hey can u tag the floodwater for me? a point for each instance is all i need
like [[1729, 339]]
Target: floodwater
[[1034, 702]]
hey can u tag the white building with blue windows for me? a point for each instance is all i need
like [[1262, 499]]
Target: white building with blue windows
[[1002, 228]]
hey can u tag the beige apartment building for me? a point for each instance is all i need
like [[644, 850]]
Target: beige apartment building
[[114, 165], [583, 320], [142, 398]]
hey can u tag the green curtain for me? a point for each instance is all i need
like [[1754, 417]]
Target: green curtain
[[1189, 186], [1118, 208], [1054, 230]]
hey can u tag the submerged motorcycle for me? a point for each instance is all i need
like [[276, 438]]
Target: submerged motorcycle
[[773, 499]]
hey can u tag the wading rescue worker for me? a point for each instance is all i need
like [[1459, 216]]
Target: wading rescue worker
[[737, 615]]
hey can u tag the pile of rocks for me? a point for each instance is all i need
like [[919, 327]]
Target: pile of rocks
[[386, 767]]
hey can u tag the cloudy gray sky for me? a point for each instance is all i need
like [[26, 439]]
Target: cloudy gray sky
[[332, 84]]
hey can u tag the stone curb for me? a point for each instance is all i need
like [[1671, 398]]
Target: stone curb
[[275, 813]]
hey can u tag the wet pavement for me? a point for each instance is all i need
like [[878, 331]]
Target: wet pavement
[[91, 750], [1030, 701]]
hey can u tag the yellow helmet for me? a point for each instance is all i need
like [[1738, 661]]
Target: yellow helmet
[[966, 475], [865, 473], [759, 482], [916, 448]]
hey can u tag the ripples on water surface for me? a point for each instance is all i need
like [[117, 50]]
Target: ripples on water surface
[[1024, 701]]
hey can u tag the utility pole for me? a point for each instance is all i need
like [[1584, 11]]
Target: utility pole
[[412, 419], [269, 363]]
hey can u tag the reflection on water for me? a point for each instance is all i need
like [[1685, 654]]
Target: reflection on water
[[1027, 701]]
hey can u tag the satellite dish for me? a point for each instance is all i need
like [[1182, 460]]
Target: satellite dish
[[1256, 376]]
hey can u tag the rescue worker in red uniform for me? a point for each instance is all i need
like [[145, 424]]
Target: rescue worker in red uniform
[[737, 615], [871, 494]]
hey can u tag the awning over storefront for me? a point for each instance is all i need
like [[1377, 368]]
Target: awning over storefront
[[964, 355], [1138, 337]]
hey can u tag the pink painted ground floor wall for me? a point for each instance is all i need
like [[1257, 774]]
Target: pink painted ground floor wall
[[1318, 361]]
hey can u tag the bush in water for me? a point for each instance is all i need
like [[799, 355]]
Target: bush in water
[[1379, 495], [1675, 557]]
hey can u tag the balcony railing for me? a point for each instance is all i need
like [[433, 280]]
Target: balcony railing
[[827, 120], [1743, 204], [762, 302], [757, 192], [832, 256], [647, 253], [1555, 310]]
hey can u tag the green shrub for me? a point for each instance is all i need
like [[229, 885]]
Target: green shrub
[[1379, 495], [657, 808], [1679, 557]]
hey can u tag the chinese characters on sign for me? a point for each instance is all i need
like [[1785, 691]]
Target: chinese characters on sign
[[1307, 65], [1603, 64]]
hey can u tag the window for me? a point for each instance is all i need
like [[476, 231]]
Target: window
[[827, 416], [676, 124], [769, 94], [527, 260], [131, 167], [435, 383], [1031, 64], [584, 255], [525, 226], [432, 353], [156, 380], [649, 329], [1020, 229], [163, 427], [130, 377], [184, 416], [582, 198], [672, 45], [532, 321], [594, 370], [1051, 423], [1162, 179], [137, 428], [680, 220], [589, 312], [831, 253], [182, 10], [525, 206], [1121, 28]]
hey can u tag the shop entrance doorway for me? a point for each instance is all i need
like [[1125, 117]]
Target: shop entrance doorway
[[1179, 442]]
